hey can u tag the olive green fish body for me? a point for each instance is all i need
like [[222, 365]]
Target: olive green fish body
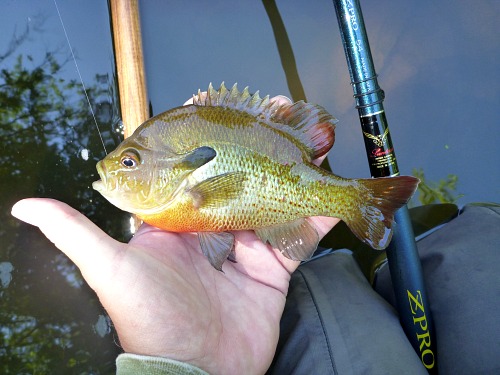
[[234, 161]]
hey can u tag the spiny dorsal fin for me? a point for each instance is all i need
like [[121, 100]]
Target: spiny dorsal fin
[[308, 123]]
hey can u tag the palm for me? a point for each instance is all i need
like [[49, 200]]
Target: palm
[[164, 297], [200, 314]]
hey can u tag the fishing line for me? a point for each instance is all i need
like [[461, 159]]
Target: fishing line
[[79, 75]]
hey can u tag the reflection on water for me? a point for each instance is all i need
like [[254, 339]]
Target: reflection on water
[[50, 321], [5, 274], [437, 63]]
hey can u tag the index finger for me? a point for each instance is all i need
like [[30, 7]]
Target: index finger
[[82, 241]]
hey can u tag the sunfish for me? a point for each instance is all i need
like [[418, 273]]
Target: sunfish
[[234, 161]]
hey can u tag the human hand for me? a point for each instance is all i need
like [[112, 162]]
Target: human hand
[[164, 297]]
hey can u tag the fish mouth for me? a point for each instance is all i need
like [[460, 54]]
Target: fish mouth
[[100, 185]]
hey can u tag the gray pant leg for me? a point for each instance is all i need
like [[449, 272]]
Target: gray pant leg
[[334, 323], [461, 265]]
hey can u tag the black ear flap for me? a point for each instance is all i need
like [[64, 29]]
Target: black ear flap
[[196, 158]]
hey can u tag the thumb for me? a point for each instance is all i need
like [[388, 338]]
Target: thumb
[[92, 250]]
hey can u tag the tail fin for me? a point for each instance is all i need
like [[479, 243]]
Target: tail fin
[[371, 219]]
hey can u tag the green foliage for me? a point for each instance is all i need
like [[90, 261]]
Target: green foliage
[[444, 191], [47, 314]]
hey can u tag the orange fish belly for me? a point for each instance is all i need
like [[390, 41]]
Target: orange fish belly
[[181, 218]]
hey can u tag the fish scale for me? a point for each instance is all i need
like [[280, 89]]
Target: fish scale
[[233, 161]]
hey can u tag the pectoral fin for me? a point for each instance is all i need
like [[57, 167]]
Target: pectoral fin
[[217, 191], [216, 246], [296, 240]]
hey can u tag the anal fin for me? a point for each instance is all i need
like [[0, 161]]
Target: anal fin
[[296, 240], [216, 246]]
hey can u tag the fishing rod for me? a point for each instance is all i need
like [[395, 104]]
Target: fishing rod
[[404, 264]]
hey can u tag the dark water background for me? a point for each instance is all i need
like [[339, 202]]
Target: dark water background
[[437, 62]]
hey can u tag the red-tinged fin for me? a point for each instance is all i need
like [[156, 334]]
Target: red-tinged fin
[[371, 219], [296, 240], [311, 125]]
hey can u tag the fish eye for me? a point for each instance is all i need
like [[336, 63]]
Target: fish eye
[[128, 162], [130, 158]]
